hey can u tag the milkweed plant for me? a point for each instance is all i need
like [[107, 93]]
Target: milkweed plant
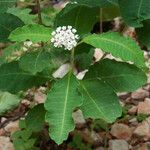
[[36, 48]]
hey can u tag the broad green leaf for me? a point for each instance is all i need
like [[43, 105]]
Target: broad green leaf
[[58, 57], [84, 60], [5, 4], [33, 32], [19, 144], [22, 140], [99, 101], [84, 56], [23, 14], [35, 118], [8, 23], [120, 47], [96, 3], [109, 13], [119, 75], [13, 79], [7, 102], [135, 11], [60, 103], [35, 61], [144, 34], [81, 17]]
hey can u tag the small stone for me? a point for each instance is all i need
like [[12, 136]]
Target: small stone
[[132, 110], [78, 117], [100, 148], [61, 71], [25, 102], [143, 129], [39, 97], [12, 127], [98, 54], [144, 107], [123, 95], [3, 119], [96, 138], [147, 87], [145, 146], [81, 74], [133, 120], [140, 94], [148, 81], [121, 131], [118, 145], [2, 132], [5, 143]]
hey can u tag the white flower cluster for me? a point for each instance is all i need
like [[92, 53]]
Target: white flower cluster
[[65, 36]]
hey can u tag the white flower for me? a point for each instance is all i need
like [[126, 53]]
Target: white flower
[[65, 37]]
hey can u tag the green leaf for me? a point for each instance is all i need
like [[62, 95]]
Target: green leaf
[[81, 17], [144, 34], [5, 4], [58, 57], [19, 144], [22, 140], [119, 46], [84, 56], [99, 101], [84, 60], [35, 118], [61, 101], [23, 14], [8, 23], [119, 75], [7, 101], [33, 32], [109, 13], [134, 12], [96, 3], [13, 79], [35, 61]]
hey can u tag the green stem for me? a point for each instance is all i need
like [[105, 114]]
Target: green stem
[[72, 59], [39, 11]]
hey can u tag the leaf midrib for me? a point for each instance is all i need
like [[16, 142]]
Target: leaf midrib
[[32, 35], [36, 60], [65, 106], [101, 112], [139, 9]]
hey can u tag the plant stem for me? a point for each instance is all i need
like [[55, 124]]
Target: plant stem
[[101, 20], [39, 11], [72, 59]]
